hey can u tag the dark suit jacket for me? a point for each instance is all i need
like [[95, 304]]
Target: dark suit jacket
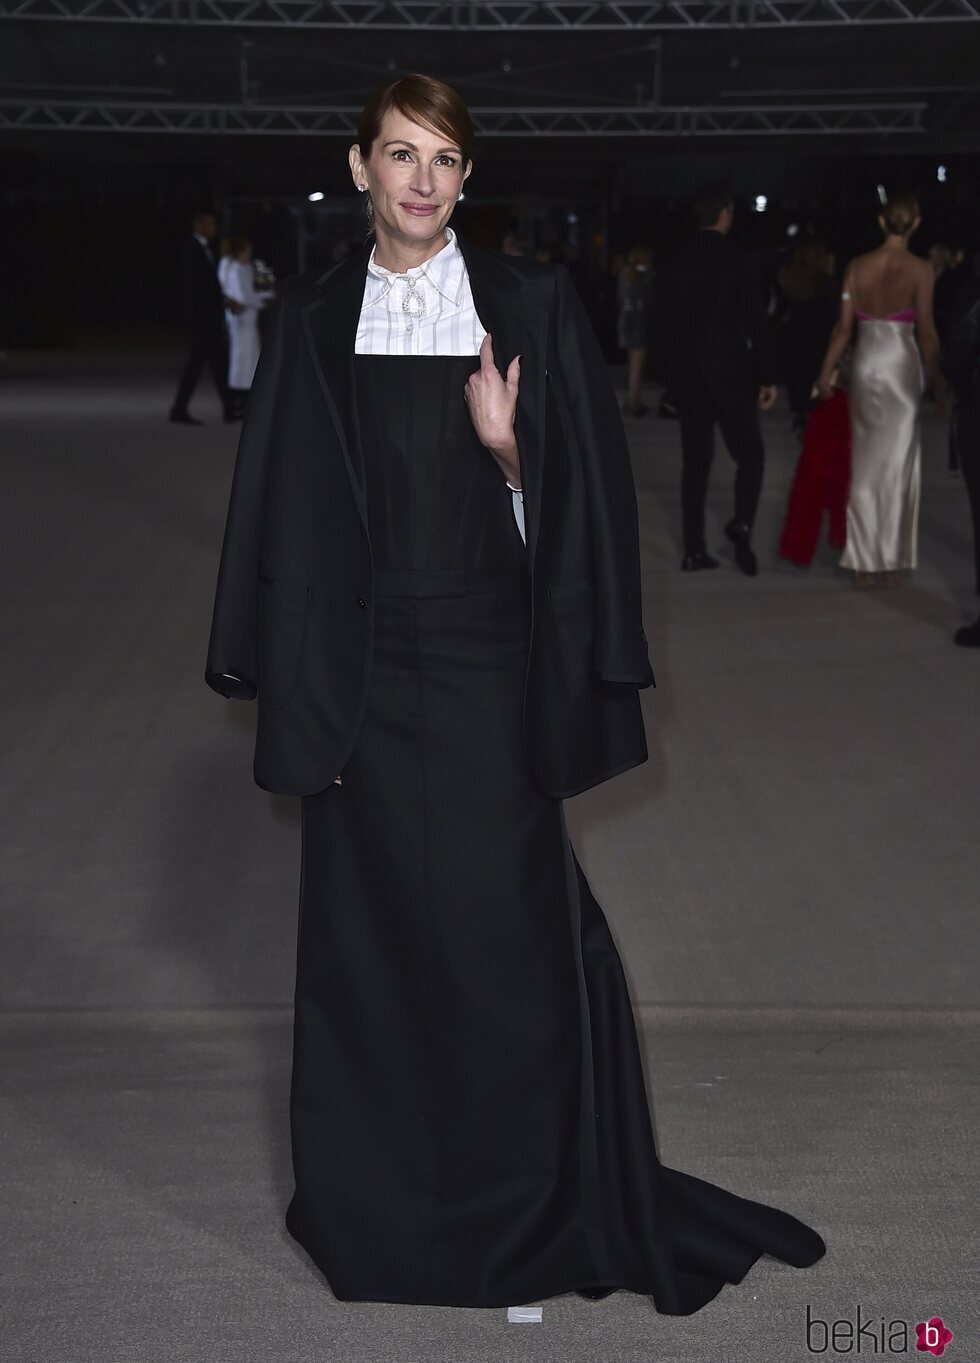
[[201, 302], [710, 313], [293, 611]]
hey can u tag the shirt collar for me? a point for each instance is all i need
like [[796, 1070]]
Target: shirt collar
[[445, 271]]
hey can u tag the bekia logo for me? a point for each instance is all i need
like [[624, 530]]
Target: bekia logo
[[865, 1335], [932, 1335]]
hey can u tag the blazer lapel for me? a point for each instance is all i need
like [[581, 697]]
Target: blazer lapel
[[516, 315], [330, 324]]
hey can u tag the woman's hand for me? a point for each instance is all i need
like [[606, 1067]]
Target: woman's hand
[[823, 388], [492, 402]]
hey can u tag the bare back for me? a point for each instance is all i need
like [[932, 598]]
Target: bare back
[[887, 281]]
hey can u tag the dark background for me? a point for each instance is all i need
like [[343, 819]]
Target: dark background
[[91, 221]]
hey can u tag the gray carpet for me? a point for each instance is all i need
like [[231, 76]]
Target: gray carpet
[[149, 1163], [791, 879]]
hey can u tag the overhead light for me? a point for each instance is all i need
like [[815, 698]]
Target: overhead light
[[761, 203], [941, 174], [793, 229], [316, 196]]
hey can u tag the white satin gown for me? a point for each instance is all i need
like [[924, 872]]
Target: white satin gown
[[885, 390]]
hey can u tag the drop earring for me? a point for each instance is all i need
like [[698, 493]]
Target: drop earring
[[460, 195]]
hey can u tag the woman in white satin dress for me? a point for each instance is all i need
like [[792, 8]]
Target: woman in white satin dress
[[888, 293]]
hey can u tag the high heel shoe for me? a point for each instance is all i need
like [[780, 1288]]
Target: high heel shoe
[[595, 1293]]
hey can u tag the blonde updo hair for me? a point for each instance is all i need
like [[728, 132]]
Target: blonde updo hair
[[899, 214]]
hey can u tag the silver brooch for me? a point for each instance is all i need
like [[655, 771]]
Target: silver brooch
[[414, 300]]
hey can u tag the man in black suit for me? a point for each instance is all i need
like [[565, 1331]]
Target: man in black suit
[[203, 312], [719, 370]]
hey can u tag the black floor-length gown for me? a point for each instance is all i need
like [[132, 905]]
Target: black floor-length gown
[[469, 1119]]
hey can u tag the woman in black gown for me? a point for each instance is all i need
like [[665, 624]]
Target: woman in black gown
[[469, 1120]]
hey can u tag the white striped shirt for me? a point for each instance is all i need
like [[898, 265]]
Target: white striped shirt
[[449, 325]]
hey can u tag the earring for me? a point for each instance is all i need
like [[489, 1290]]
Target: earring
[[460, 195], [362, 188]]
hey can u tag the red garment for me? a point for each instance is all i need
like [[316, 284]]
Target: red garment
[[820, 484]]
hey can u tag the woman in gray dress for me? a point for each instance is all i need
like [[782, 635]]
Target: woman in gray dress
[[888, 293]]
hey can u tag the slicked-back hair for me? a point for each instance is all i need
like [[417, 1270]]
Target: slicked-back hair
[[426, 101]]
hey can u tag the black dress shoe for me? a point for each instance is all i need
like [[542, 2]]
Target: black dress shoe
[[185, 419], [595, 1293], [738, 532], [968, 636], [694, 563]]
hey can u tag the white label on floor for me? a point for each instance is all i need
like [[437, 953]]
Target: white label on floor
[[517, 1315]]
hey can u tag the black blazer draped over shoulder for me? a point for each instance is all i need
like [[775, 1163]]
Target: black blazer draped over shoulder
[[293, 610]]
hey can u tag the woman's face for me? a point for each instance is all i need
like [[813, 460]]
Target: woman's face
[[414, 175]]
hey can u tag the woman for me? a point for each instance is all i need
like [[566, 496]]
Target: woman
[[243, 303], [889, 292], [430, 577], [633, 322], [807, 317]]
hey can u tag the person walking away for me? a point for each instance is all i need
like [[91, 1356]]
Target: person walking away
[[203, 313], [808, 313], [720, 371], [889, 293], [950, 278]]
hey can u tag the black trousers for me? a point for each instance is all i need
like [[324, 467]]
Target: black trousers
[[736, 413], [207, 346], [968, 448]]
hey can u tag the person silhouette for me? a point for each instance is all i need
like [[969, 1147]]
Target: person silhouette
[[203, 315]]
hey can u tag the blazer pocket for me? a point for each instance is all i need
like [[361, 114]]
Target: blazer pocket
[[283, 620], [571, 611]]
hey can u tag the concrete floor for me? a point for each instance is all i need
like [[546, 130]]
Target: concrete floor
[[791, 879]]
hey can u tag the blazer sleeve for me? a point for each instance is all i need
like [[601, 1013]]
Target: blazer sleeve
[[592, 421], [231, 668]]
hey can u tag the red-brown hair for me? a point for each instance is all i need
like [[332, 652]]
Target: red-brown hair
[[426, 101]]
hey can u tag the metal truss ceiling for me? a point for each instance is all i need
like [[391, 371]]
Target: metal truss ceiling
[[563, 16], [788, 120]]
